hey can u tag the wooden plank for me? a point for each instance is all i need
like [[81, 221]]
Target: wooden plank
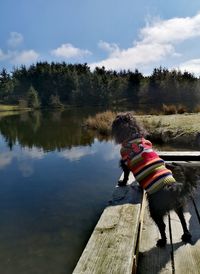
[[155, 260], [180, 155], [186, 256], [111, 246], [152, 259], [113, 243]]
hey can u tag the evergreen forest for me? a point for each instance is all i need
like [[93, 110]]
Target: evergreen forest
[[60, 84]]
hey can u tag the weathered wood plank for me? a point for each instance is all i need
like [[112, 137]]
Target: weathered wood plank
[[111, 246], [180, 155], [186, 256], [187, 153], [152, 259]]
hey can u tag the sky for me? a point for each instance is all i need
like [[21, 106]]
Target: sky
[[116, 34]]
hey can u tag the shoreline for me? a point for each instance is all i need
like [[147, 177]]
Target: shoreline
[[175, 129]]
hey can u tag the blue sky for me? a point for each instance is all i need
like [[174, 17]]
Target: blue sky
[[116, 34]]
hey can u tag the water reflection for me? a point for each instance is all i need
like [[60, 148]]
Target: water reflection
[[46, 130], [55, 181]]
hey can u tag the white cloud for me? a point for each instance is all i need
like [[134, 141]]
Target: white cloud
[[192, 65], [135, 56], [23, 158], [33, 153], [26, 169], [69, 51], [157, 40], [15, 39], [24, 57], [172, 30], [16, 56], [19, 57], [110, 48], [5, 159], [113, 152], [76, 153]]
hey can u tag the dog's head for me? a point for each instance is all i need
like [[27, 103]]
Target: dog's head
[[125, 127]]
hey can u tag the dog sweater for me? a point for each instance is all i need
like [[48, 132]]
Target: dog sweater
[[147, 167]]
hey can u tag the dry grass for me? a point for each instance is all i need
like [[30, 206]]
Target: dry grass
[[101, 122], [181, 109], [181, 122], [12, 108], [181, 129], [169, 109], [177, 123], [173, 109], [8, 108]]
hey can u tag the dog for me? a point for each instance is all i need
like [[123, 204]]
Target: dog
[[164, 193]]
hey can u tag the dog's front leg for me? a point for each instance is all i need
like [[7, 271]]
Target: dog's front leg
[[126, 173]]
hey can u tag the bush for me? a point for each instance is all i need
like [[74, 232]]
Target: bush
[[169, 109], [181, 109], [101, 122]]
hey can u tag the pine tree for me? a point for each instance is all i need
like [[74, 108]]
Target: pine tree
[[54, 102], [32, 98]]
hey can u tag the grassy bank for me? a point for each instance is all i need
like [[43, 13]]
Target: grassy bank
[[187, 122], [6, 110], [176, 128], [175, 122], [11, 108]]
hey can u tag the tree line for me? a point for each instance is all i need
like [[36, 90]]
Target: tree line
[[56, 84]]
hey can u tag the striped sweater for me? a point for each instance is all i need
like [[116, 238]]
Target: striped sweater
[[147, 167]]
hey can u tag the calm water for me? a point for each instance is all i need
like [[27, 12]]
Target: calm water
[[55, 181]]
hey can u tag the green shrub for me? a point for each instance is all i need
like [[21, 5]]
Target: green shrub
[[32, 98]]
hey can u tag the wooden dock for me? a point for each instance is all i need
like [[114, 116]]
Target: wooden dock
[[176, 257], [124, 239]]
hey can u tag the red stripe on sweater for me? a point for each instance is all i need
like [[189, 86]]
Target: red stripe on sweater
[[151, 177]]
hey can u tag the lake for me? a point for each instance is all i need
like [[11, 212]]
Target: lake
[[56, 179]]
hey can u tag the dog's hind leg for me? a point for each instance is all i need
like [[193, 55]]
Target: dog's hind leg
[[186, 237], [161, 226]]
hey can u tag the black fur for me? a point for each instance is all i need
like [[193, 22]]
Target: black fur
[[160, 203], [172, 197]]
